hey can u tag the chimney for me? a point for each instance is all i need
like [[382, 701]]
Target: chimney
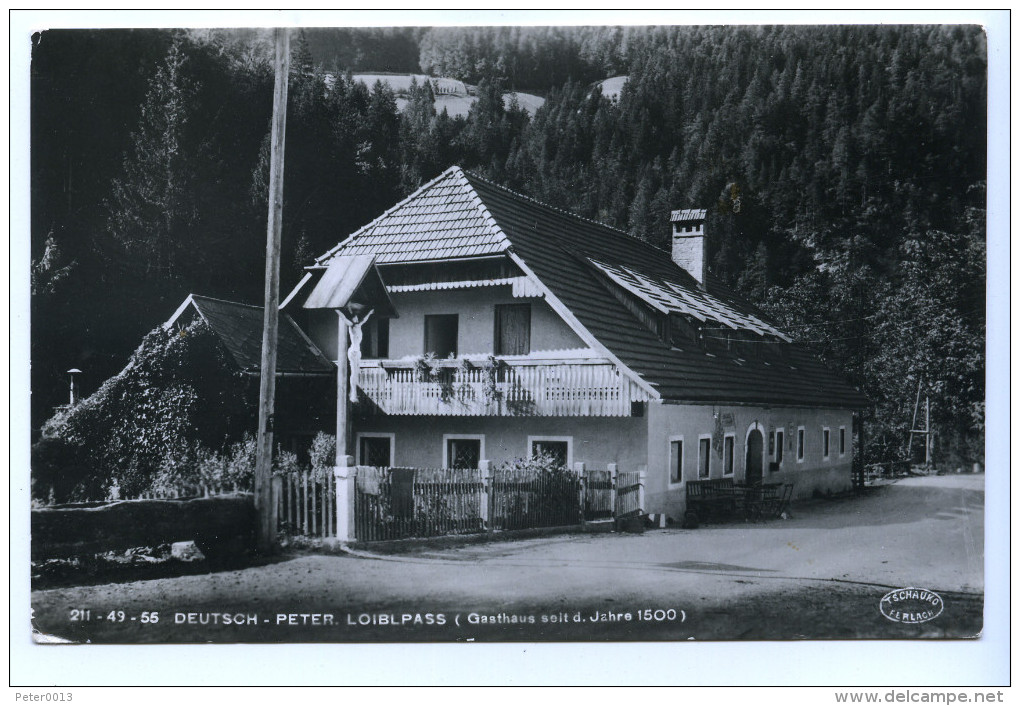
[[689, 242]]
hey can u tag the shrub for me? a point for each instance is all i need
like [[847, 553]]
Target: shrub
[[322, 455]]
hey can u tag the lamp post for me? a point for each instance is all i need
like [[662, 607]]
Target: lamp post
[[75, 395]]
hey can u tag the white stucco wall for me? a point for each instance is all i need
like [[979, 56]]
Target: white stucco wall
[[597, 441], [814, 474], [476, 321]]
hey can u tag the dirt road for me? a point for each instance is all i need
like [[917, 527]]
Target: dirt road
[[821, 574]]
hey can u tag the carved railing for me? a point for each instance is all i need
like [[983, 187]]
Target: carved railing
[[561, 389]]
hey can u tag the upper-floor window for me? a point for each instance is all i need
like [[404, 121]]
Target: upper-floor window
[[779, 445], [441, 335], [375, 341], [512, 329], [842, 440], [825, 442], [800, 444]]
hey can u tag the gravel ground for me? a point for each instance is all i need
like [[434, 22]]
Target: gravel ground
[[820, 574]]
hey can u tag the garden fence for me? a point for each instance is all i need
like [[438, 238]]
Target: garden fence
[[403, 503]]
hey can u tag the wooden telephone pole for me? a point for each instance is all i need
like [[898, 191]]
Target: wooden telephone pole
[[265, 504]]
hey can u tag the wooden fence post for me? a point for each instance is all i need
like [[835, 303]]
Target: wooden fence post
[[614, 471], [579, 470], [345, 474], [485, 497], [642, 473]]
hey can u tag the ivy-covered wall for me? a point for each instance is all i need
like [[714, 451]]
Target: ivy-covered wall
[[180, 401]]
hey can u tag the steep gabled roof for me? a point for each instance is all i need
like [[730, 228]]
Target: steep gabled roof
[[459, 214], [239, 327], [442, 220]]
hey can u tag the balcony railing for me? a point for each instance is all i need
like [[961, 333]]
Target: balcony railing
[[519, 388]]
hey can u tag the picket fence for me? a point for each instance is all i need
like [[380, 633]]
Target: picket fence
[[402, 503]]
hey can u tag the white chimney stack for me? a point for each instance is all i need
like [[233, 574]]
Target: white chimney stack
[[689, 242]]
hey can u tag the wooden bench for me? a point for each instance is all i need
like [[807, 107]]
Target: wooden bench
[[706, 499]]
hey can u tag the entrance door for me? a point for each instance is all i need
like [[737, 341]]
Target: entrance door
[[753, 459]]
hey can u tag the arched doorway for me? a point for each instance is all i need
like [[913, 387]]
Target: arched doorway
[[754, 456]]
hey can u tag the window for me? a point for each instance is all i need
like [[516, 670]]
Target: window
[[704, 456], [375, 450], [375, 343], [559, 447], [512, 329], [463, 450], [728, 456], [825, 442], [441, 335], [680, 332], [779, 445], [800, 444], [676, 460], [842, 440]]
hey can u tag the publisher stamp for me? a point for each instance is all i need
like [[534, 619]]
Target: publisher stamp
[[911, 605]]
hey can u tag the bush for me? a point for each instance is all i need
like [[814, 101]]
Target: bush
[[322, 455]]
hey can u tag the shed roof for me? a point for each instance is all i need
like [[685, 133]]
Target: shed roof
[[571, 257], [239, 327], [351, 283]]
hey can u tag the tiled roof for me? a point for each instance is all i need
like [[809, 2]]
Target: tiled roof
[[239, 327], [442, 220], [572, 256]]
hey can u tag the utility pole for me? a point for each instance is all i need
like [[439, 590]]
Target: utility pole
[[265, 504]]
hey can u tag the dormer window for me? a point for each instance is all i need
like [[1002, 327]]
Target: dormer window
[[679, 332]]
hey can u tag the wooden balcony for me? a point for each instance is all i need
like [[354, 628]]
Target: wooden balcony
[[517, 388]]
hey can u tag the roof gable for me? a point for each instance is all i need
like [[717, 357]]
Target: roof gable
[[444, 219], [239, 328]]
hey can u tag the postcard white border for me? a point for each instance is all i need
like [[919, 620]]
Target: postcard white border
[[981, 662]]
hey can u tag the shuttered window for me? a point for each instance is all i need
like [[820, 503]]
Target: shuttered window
[[513, 329]]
